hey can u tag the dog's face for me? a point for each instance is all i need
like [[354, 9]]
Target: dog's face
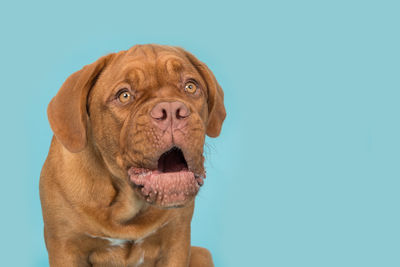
[[146, 112]]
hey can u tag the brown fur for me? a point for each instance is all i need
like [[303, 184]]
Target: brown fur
[[85, 191]]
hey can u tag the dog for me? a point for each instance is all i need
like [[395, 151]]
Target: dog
[[126, 159]]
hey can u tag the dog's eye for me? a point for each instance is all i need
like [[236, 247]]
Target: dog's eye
[[124, 96], [190, 87]]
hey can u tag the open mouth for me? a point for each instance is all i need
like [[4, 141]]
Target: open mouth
[[172, 161], [171, 184]]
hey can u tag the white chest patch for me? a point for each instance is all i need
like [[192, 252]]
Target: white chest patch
[[116, 242], [113, 241], [140, 261], [121, 242]]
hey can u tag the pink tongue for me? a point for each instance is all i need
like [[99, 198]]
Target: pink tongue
[[165, 188]]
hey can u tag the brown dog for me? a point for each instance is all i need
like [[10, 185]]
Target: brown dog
[[118, 185]]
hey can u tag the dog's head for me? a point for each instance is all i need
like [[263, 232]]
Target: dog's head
[[145, 112]]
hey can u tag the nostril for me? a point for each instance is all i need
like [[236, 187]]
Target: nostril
[[181, 113], [164, 115], [178, 116], [169, 111], [160, 112]]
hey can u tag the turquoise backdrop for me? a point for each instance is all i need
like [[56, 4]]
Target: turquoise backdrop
[[306, 171]]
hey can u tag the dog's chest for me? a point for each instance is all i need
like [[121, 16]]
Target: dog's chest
[[120, 252]]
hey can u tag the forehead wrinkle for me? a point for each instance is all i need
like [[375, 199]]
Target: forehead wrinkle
[[173, 68], [136, 75], [169, 67], [139, 71]]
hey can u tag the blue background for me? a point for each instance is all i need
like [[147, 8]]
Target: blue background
[[306, 171]]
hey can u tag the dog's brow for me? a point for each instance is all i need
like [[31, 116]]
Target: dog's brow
[[173, 65], [137, 75]]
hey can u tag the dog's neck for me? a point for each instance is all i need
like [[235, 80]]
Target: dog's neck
[[119, 208]]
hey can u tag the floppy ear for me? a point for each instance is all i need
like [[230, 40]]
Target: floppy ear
[[67, 111], [216, 108]]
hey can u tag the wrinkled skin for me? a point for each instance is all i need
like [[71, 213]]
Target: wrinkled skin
[[105, 200], [138, 142]]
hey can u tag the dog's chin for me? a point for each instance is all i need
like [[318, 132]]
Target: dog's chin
[[171, 185]]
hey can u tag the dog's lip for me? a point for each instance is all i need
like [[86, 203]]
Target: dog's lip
[[143, 170], [170, 181], [167, 189], [140, 171]]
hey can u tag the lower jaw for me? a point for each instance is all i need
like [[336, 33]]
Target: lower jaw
[[172, 189]]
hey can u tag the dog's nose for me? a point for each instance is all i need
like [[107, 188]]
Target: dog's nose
[[167, 113]]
